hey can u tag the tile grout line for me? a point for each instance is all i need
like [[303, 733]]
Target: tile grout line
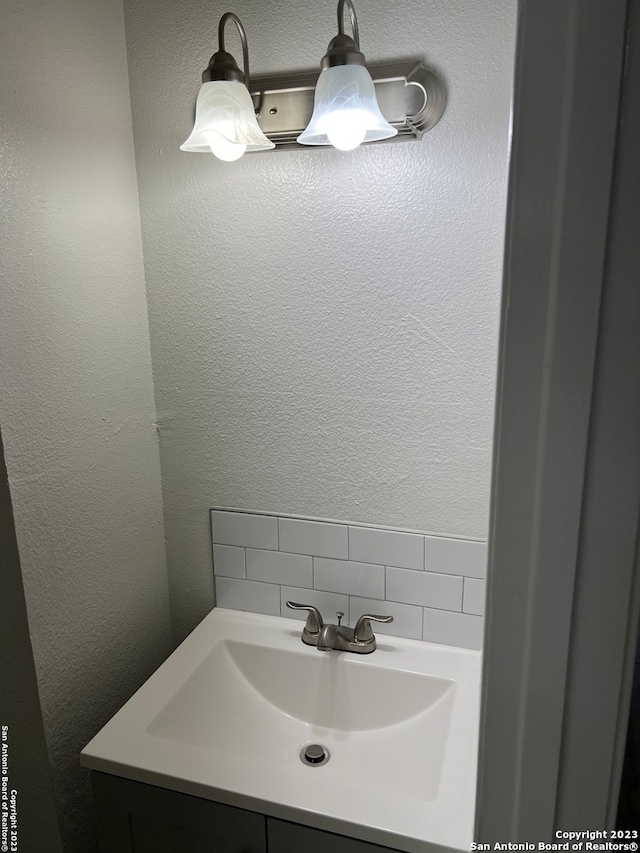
[[430, 606]]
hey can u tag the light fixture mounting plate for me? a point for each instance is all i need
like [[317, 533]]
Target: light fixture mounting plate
[[411, 98]]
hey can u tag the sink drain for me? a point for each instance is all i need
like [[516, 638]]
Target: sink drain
[[314, 755]]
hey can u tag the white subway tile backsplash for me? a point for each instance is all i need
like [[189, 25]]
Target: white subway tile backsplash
[[256, 597], [386, 547], [473, 598], [276, 567], [455, 556], [349, 577], [328, 603], [318, 538], [407, 619], [228, 561], [432, 585], [244, 529], [424, 588], [453, 629]]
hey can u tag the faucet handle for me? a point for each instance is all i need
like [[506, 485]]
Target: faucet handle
[[314, 622], [363, 632]]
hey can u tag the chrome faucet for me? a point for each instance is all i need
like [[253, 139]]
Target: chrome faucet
[[329, 637]]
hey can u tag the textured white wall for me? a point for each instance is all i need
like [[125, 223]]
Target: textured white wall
[[323, 325], [76, 399]]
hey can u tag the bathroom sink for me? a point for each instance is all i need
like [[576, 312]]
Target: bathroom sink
[[264, 704], [229, 713]]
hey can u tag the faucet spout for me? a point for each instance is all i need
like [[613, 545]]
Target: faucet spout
[[327, 638]]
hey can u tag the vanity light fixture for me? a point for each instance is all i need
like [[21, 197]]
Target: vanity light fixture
[[345, 109], [226, 123], [339, 108]]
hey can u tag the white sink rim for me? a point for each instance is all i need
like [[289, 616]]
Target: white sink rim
[[126, 746]]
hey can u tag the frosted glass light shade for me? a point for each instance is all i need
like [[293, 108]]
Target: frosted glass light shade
[[345, 110], [226, 122]]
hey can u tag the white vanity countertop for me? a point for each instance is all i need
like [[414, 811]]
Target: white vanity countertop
[[226, 716]]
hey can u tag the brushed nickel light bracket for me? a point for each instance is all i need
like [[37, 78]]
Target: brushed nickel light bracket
[[222, 66], [410, 96]]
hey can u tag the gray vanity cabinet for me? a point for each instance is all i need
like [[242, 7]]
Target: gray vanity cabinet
[[138, 818]]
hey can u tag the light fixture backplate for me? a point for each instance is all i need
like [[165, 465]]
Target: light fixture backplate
[[411, 98]]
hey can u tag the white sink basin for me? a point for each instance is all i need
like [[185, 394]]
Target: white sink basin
[[228, 713], [264, 704]]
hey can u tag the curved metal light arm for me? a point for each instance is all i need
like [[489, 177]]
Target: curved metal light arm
[[229, 16], [352, 17]]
